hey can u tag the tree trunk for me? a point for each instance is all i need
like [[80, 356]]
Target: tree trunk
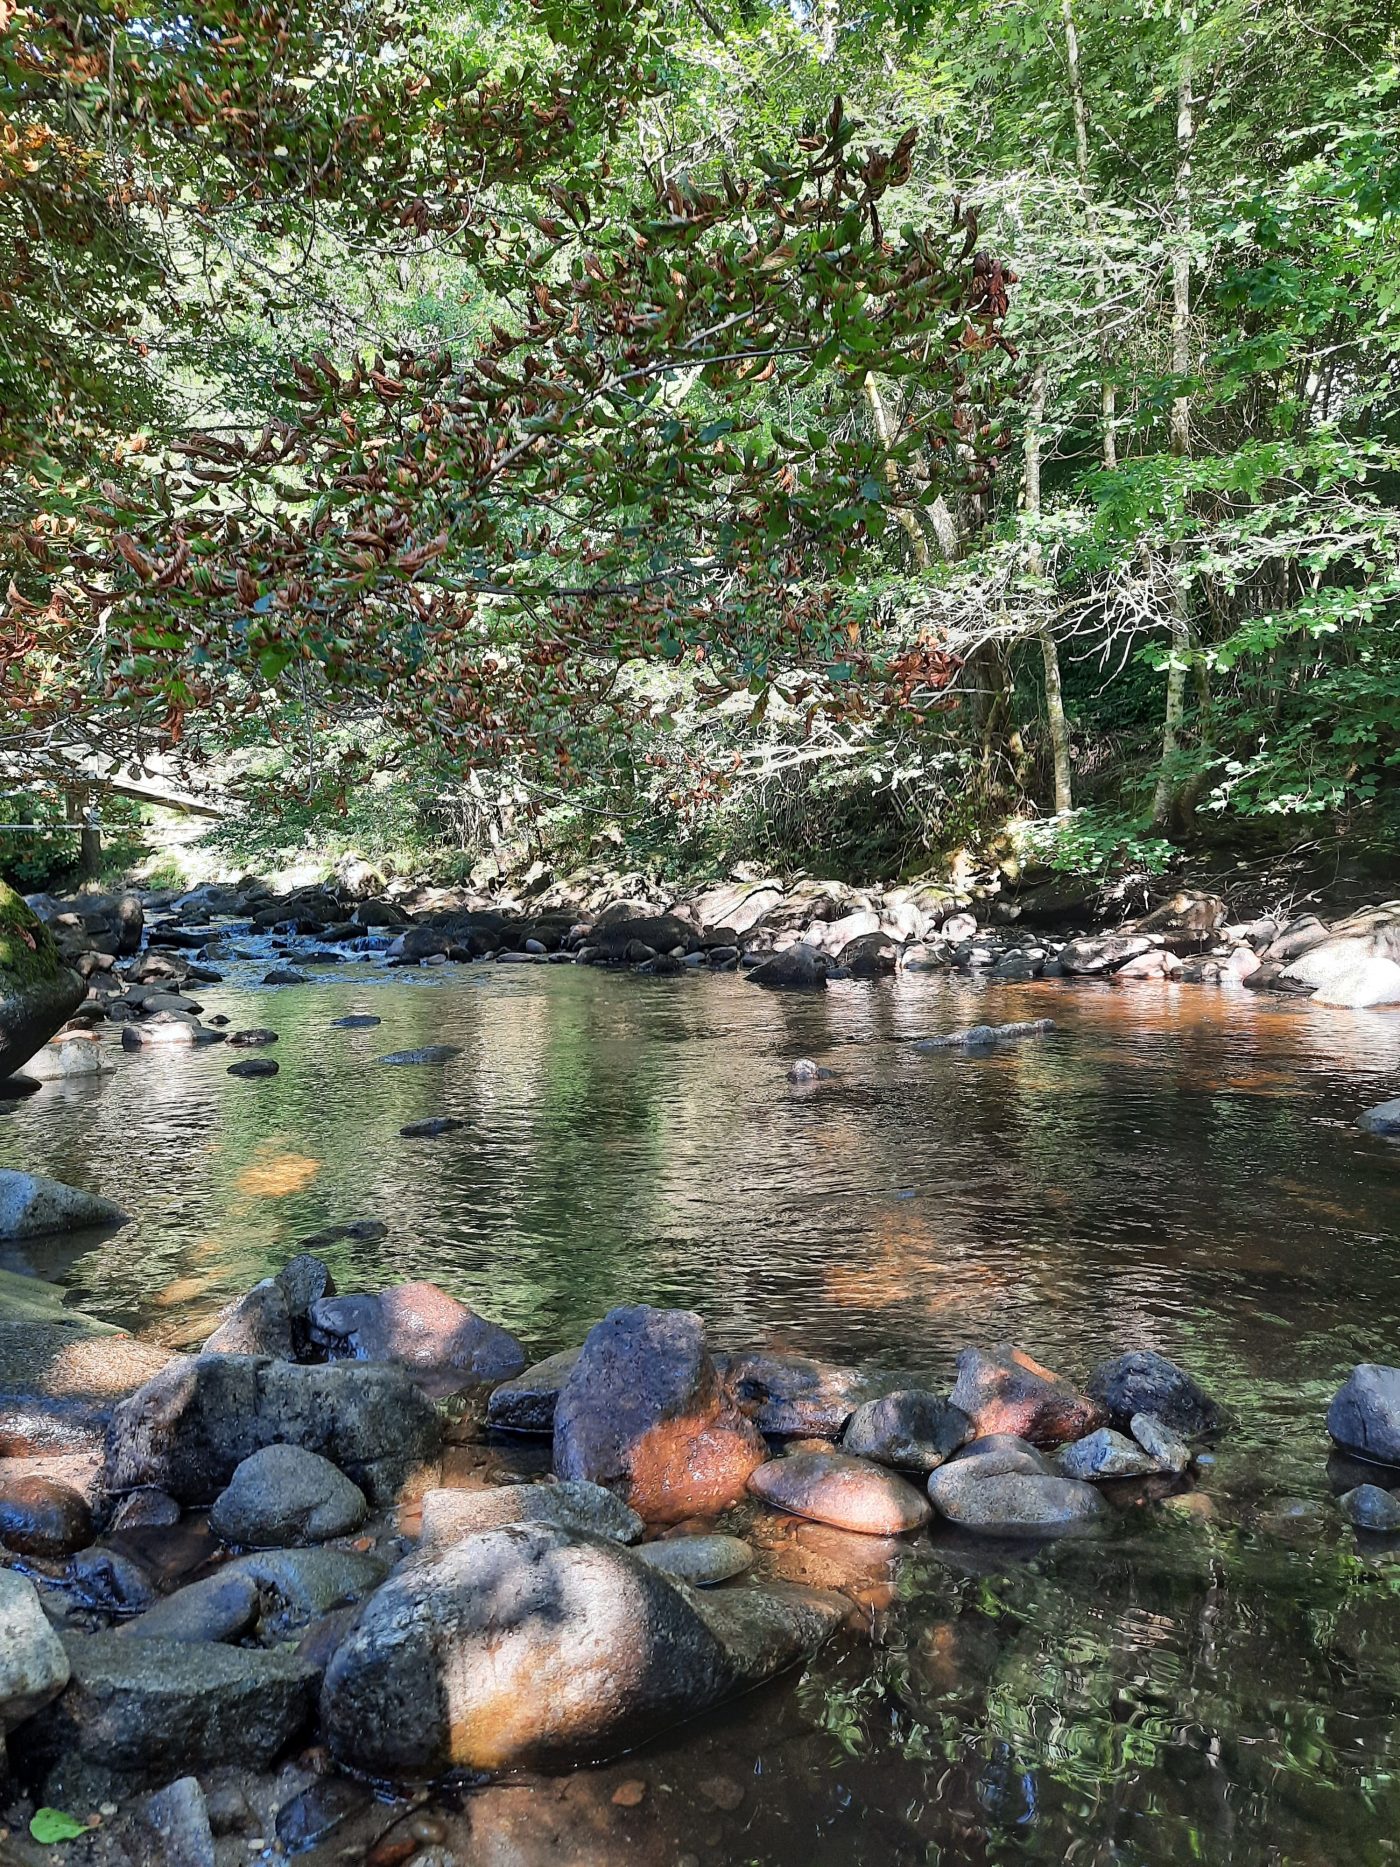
[[907, 519], [1108, 399], [1050, 654]]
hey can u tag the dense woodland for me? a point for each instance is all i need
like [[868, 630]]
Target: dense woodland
[[806, 432]]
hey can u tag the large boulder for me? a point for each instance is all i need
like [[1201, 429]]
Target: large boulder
[[1357, 965], [1364, 1417], [846, 1492], [1002, 1390], [194, 1424], [1143, 1381], [645, 1413], [69, 1056], [32, 1206], [420, 1327], [147, 1705], [33, 1665], [285, 1495], [531, 1644], [38, 993]]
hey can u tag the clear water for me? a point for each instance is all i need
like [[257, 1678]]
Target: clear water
[[1176, 1169]]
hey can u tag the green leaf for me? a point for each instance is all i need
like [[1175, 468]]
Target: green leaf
[[52, 1825]]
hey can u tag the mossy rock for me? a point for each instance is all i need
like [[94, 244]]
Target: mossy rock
[[38, 993]]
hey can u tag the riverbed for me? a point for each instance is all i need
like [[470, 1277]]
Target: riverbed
[[1175, 1168]]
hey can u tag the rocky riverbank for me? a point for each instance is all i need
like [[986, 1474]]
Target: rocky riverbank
[[359, 1537]]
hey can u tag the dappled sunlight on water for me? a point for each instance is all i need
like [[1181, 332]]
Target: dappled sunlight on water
[[1176, 1168]]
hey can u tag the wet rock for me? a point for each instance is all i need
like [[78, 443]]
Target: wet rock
[[1371, 1508], [259, 1323], [573, 1504], [318, 1811], [174, 1825], [526, 1404], [645, 1414], [1146, 1382], [1354, 969], [38, 993], [430, 1053], [72, 1055], [870, 956], [1384, 1118], [805, 1071], [33, 1207], [358, 1021], [791, 1396], [1100, 953], [167, 1030], [286, 975], [911, 1429], [1167, 1450], [145, 1510], [1003, 1391], [430, 1127], [143, 1705], [41, 1518], [547, 1648], [1002, 1493], [189, 1428], [255, 1066], [297, 1587], [797, 968], [283, 1496], [109, 1579], [420, 1327], [979, 1036], [702, 1561], [1106, 1454], [848, 1493], [251, 1039], [33, 1665], [222, 1606], [1364, 1417], [128, 923]]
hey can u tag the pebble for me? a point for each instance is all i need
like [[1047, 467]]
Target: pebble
[[630, 1794]]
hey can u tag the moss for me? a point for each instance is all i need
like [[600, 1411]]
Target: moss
[[28, 953]]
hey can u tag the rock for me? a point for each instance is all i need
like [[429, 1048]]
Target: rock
[[297, 1587], [128, 923], [546, 1648], [805, 1071], [1099, 953], [222, 1606], [1187, 922], [1106, 1454], [1143, 1381], [33, 1665], [702, 1561], [645, 1414], [792, 1396], [251, 1039], [74, 1054], [166, 1030], [1009, 1492], [32, 1207], [575, 1504], [1168, 1450], [1371, 1508], [109, 1579], [430, 1127], [286, 975], [1004, 1391], [41, 1518], [979, 1035], [871, 956], [254, 1066], [911, 1429], [849, 1493], [526, 1404], [1354, 969], [142, 1705], [1364, 1417], [148, 1509], [420, 1327], [797, 968], [259, 1323], [359, 1021], [430, 1053], [38, 993], [174, 1823], [194, 1424], [1384, 1118], [285, 1495]]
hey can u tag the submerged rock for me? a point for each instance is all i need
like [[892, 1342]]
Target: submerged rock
[[1371, 1508], [702, 1561], [420, 1327], [1364, 1416], [545, 1647], [358, 1021], [430, 1053], [911, 1429], [1003, 1391], [255, 1066], [33, 1665], [430, 1127], [285, 1495], [978, 1035], [32, 1207], [1146, 1382], [846, 1492], [526, 1404], [573, 1504], [645, 1414]]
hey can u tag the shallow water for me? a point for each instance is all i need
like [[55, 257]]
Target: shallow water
[[1176, 1168]]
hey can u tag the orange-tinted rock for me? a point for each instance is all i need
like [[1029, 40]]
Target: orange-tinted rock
[[1003, 1391], [644, 1413], [850, 1493], [39, 1517], [421, 1327]]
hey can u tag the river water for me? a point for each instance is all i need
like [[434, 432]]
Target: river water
[[1216, 1679]]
